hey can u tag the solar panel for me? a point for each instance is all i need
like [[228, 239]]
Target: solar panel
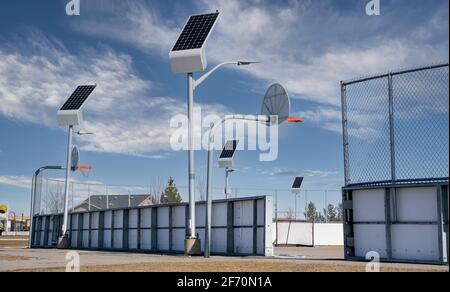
[[297, 183], [229, 149], [78, 98], [196, 32]]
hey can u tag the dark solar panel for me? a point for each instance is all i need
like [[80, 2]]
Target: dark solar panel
[[297, 183], [229, 149], [78, 98], [196, 32]]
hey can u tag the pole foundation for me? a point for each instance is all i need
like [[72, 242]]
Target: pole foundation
[[63, 242], [192, 247]]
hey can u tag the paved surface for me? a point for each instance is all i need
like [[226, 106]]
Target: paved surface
[[286, 259]]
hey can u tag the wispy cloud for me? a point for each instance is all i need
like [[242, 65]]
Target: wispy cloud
[[309, 46], [38, 73], [16, 181]]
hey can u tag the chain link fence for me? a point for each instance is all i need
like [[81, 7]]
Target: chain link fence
[[396, 127], [317, 205]]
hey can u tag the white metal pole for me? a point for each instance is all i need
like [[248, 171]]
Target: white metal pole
[[210, 174], [191, 166], [33, 188], [227, 173], [66, 192]]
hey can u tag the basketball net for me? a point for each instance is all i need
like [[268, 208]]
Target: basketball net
[[85, 170]]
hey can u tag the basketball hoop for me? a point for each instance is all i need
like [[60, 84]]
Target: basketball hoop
[[85, 170]]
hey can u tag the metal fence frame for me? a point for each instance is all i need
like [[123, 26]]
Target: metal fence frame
[[392, 150], [393, 184]]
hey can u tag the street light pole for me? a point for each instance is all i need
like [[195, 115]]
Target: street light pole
[[192, 85], [62, 244], [210, 172], [191, 166]]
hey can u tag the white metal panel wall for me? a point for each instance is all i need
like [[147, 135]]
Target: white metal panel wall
[[295, 233], [417, 205], [414, 232], [328, 234], [370, 238], [133, 229], [368, 206]]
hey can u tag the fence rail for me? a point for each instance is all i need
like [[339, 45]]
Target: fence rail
[[396, 127]]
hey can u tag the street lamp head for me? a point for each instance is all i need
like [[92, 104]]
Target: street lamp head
[[84, 133], [246, 63]]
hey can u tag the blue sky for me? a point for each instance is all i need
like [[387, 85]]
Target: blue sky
[[308, 46]]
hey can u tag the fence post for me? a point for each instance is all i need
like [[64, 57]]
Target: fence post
[[391, 129], [345, 132], [89, 197]]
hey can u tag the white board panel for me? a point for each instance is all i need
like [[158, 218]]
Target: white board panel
[[243, 240], [163, 239], [219, 214], [108, 219], [163, 217], [260, 240], [178, 236], [133, 218], [370, 238], [132, 239], [146, 239], [330, 234], [146, 218], [107, 239], [417, 204], [73, 239], [243, 213], [118, 239], [219, 240], [74, 223], [179, 216], [200, 213], [86, 221], [418, 242], [295, 233], [368, 206], [94, 238], [85, 239], [118, 219], [94, 220]]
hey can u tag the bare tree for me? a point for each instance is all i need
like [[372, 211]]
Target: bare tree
[[54, 201], [290, 214], [201, 187], [156, 190]]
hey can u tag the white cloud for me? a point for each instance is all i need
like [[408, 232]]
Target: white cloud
[[307, 46], [16, 181], [38, 74], [277, 171]]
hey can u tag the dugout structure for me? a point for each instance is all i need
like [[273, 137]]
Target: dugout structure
[[396, 157]]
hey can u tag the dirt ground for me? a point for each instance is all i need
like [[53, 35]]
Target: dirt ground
[[15, 257], [13, 241], [241, 266]]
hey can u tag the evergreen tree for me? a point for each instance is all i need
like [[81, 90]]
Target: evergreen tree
[[170, 194]]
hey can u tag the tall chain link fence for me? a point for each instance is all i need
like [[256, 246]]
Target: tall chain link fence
[[396, 127], [308, 205]]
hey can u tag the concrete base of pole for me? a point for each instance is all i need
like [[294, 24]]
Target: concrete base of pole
[[63, 242], [192, 247]]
